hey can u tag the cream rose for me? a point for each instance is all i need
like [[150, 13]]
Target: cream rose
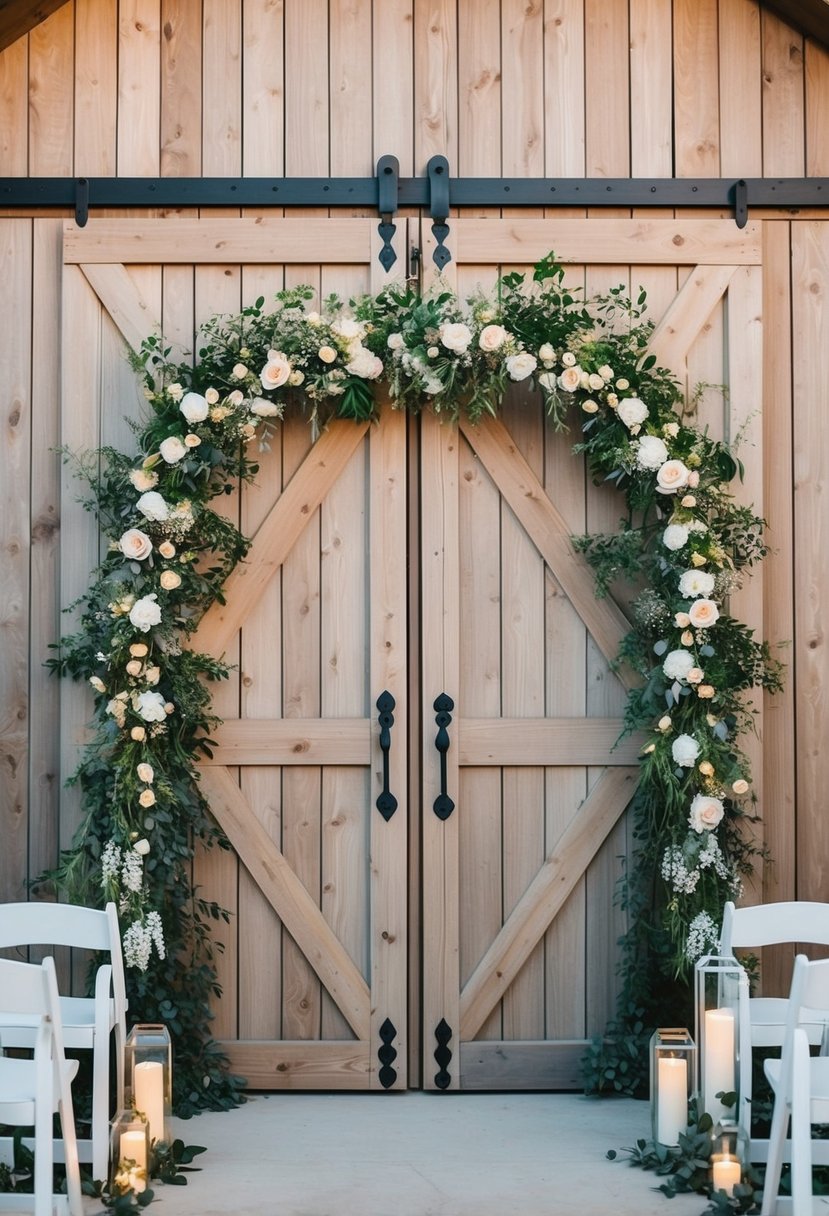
[[703, 614], [570, 379], [632, 411], [276, 371], [135, 544], [172, 450], [687, 638], [192, 441], [520, 366], [175, 391], [97, 683], [194, 407], [327, 354], [546, 353], [595, 382], [143, 479], [133, 668], [145, 772], [651, 452], [705, 813], [492, 337], [455, 336], [138, 650], [240, 371], [138, 733], [170, 580], [296, 378], [740, 786], [146, 799], [167, 549], [568, 359], [145, 613], [211, 396], [142, 846], [671, 476], [685, 750], [590, 406], [682, 620], [152, 675], [695, 676], [152, 506], [664, 724]]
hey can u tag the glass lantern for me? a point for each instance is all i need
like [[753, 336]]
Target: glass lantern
[[729, 1156], [129, 1153], [149, 1079], [673, 1075], [721, 991]]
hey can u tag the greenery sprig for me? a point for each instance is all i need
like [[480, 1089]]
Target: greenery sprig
[[683, 538]]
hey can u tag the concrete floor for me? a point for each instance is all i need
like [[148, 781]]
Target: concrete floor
[[417, 1154]]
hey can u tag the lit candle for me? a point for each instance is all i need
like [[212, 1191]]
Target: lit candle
[[718, 1059], [134, 1149], [727, 1173], [672, 1099], [148, 1095]]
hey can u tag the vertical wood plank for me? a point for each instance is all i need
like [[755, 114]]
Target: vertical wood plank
[[96, 87], [741, 129], [607, 74], [15, 453], [392, 66], [564, 82], [651, 88], [389, 671], [14, 94], [139, 93], [350, 88], [696, 89], [45, 622], [181, 88], [440, 673], [479, 87], [783, 118], [222, 88], [522, 95], [435, 81], [810, 395], [817, 110], [51, 67], [307, 125], [263, 96]]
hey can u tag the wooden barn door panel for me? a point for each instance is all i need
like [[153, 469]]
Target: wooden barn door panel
[[314, 970], [519, 867]]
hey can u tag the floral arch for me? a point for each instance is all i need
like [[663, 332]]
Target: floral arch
[[684, 540]]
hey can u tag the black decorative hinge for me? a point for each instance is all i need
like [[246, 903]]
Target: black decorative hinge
[[740, 203], [386, 802], [81, 201], [438, 170], [388, 177], [443, 805], [443, 1056], [387, 1054]]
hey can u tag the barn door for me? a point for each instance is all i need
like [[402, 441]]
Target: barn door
[[523, 792], [314, 969]]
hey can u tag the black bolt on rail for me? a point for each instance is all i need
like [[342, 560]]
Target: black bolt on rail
[[443, 805], [386, 802]]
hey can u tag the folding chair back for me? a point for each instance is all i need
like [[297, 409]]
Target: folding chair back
[[88, 1022], [31, 1091]]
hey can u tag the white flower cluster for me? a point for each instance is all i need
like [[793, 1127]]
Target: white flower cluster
[[676, 871], [703, 937], [139, 940]]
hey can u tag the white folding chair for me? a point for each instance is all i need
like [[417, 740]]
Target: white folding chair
[[763, 1020], [801, 1088], [88, 1022], [32, 1090]]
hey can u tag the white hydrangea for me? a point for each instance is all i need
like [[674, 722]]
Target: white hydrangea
[[632, 411], [696, 582], [651, 452], [675, 536], [152, 506], [685, 750], [677, 664]]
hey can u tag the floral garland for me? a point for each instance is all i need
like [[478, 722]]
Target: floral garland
[[684, 538]]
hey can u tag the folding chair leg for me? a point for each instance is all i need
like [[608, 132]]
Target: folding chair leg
[[777, 1137], [801, 1129], [44, 1172], [100, 1108], [70, 1144]]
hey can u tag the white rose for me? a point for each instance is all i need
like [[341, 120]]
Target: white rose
[[211, 396], [149, 706], [568, 359], [175, 391], [570, 379], [327, 354], [172, 449], [433, 352], [194, 407], [455, 336], [492, 337], [696, 582], [548, 381], [685, 750], [705, 813], [348, 329], [135, 544], [364, 364], [672, 475], [145, 613], [651, 452], [595, 382], [264, 409], [142, 847], [521, 365], [170, 580], [606, 372], [703, 614], [276, 371], [97, 683], [395, 341], [622, 385], [313, 318], [546, 353], [675, 536], [152, 506], [143, 479], [677, 664], [632, 411], [145, 772], [590, 406], [240, 371]]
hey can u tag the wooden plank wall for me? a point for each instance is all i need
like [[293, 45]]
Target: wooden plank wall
[[528, 87]]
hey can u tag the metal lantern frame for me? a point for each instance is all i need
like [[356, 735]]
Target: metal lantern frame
[[673, 1079], [721, 996], [148, 1083], [129, 1154]]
